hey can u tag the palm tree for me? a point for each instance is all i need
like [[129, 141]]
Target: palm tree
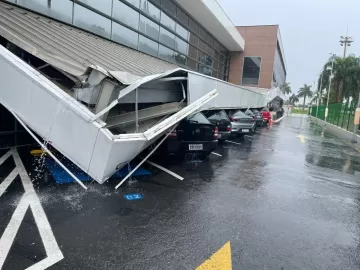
[[287, 88], [293, 99], [305, 92]]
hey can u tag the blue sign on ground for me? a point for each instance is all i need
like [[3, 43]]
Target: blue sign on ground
[[136, 196]]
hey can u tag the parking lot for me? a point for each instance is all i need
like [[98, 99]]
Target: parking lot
[[286, 198]]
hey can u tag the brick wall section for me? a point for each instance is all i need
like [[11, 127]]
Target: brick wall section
[[259, 41]]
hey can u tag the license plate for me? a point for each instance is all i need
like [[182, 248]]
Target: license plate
[[245, 130], [195, 147]]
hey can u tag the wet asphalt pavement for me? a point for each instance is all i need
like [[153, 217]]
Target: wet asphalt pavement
[[289, 198]]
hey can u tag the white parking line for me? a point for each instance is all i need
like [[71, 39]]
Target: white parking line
[[29, 199], [216, 154], [233, 142], [165, 170]]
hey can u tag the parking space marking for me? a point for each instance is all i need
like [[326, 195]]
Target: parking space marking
[[216, 154], [5, 157], [165, 170], [233, 142], [8, 180], [219, 260], [29, 199]]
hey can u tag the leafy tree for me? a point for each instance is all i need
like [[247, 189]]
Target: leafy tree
[[305, 92], [287, 88], [293, 99]]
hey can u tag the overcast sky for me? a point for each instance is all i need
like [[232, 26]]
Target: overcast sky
[[310, 30]]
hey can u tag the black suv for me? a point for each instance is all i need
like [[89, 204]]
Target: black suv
[[193, 134], [222, 121]]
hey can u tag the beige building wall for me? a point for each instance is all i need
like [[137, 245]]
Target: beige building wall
[[259, 41]]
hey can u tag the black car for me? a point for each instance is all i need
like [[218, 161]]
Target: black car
[[258, 117], [222, 121], [193, 134]]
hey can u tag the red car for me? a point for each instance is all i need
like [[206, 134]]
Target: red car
[[266, 115]]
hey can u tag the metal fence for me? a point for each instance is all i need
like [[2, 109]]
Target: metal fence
[[340, 114]]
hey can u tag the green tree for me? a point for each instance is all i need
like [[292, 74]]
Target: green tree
[[293, 99], [305, 92], [287, 88]]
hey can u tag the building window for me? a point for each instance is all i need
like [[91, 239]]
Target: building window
[[58, 9], [135, 3], [149, 28], [166, 54], [167, 21], [97, 24], [103, 6], [148, 46], [181, 46], [167, 38], [150, 9], [251, 70], [124, 35], [169, 7], [126, 14]]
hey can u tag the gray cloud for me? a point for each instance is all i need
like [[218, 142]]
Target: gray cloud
[[310, 30]]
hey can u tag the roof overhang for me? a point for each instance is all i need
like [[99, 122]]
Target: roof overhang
[[211, 15]]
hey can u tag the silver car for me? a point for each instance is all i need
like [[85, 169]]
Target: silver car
[[241, 123]]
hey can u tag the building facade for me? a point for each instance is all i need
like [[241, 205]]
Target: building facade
[[161, 28], [262, 63]]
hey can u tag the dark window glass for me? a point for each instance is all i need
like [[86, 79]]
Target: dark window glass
[[98, 24], [181, 31], [194, 27], [202, 33], [58, 9], [150, 9], [239, 114], [222, 58], [198, 117], [126, 14], [205, 70], [124, 35], [181, 46], [169, 7], [167, 38], [156, 2], [221, 68], [216, 55], [104, 6], [149, 28], [148, 46], [212, 115], [220, 76], [167, 21], [192, 64], [182, 17], [210, 51], [180, 59], [210, 40], [208, 61], [193, 52], [135, 3], [214, 74], [166, 54], [251, 70], [215, 65], [193, 40], [202, 45], [201, 57]]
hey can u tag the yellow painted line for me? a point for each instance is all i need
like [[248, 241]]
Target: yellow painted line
[[302, 138], [221, 260]]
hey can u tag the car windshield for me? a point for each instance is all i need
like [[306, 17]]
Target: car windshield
[[239, 114], [255, 111], [198, 118], [212, 114]]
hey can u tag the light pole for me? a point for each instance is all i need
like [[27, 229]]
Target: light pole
[[328, 94], [346, 41]]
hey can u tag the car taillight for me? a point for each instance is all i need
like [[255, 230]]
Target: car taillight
[[173, 133], [228, 128], [216, 132]]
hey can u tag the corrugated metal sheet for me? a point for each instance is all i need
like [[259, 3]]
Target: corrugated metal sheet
[[71, 49]]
